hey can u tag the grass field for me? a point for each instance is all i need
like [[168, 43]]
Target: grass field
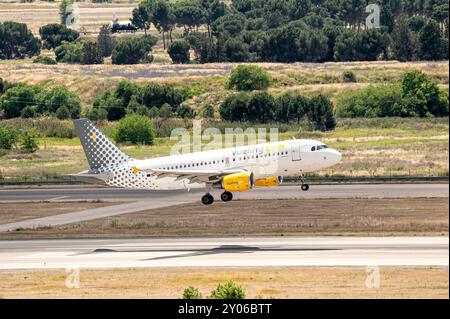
[[343, 217], [276, 282], [370, 147]]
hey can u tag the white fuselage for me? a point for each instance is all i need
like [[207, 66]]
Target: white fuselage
[[284, 158]]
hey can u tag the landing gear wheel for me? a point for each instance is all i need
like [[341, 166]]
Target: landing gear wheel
[[305, 187], [226, 196], [207, 199]]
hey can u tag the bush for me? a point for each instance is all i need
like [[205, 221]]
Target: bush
[[185, 112], [321, 113], [228, 290], [70, 52], [28, 141], [416, 95], [8, 138], [92, 53], [44, 60], [348, 76], [105, 42], [208, 112], [165, 111], [248, 78], [179, 52], [15, 99], [135, 129], [191, 293], [55, 34]]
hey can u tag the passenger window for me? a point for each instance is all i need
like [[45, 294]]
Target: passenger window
[[319, 147]]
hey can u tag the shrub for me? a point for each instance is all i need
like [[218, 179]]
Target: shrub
[[348, 76], [44, 60], [165, 111], [70, 52], [185, 112], [135, 129], [8, 137], [208, 112], [179, 52], [55, 34], [28, 141], [191, 293], [15, 99], [92, 53], [228, 290], [153, 112], [248, 78]]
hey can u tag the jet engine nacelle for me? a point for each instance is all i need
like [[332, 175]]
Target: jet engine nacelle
[[238, 182], [269, 181]]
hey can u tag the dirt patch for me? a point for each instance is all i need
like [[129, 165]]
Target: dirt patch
[[277, 282], [361, 217], [14, 212]]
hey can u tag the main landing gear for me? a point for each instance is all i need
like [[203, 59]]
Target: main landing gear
[[226, 196], [208, 199], [304, 186]]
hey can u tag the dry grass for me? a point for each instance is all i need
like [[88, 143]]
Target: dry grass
[[277, 282], [361, 217], [14, 212]]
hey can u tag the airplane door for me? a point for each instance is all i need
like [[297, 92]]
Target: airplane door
[[296, 152]]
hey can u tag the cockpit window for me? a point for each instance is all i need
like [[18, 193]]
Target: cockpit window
[[318, 147]]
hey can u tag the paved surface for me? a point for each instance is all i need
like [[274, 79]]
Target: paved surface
[[225, 252], [316, 191], [141, 200]]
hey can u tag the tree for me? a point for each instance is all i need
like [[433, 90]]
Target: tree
[[229, 25], [185, 112], [321, 113], [54, 34], [290, 106], [17, 41], [15, 99], [142, 16], [164, 19], [235, 108], [135, 129], [8, 137], [49, 101], [131, 50], [248, 78], [65, 10], [165, 111], [431, 43], [189, 15], [236, 50], [228, 290], [419, 85], [179, 52], [92, 53], [261, 107], [403, 41], [104, 41]]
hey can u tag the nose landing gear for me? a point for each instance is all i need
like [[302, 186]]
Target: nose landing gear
[[304, 186]]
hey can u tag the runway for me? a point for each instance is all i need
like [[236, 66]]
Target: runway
[[225, 252], [288, 191]]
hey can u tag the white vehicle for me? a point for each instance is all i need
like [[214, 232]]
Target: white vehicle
[[235, 169]]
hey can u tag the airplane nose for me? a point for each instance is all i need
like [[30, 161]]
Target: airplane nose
[[335, 156]]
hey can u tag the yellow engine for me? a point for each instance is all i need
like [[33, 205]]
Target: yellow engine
[[269, 181], [238, 182]]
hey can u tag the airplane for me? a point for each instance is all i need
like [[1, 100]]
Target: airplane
[[236, 169]]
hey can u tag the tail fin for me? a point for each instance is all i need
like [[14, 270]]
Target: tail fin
[[100, 151]]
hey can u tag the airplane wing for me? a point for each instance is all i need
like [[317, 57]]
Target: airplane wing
[[194, 176]]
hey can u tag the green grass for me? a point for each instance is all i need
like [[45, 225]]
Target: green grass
[[379, 147]]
